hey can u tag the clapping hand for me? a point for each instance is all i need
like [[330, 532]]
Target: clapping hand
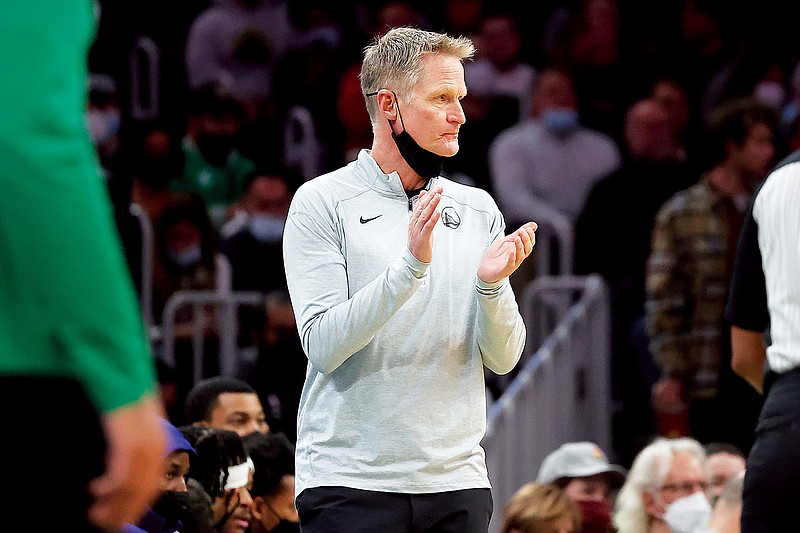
[[421, 223], [505, 255]]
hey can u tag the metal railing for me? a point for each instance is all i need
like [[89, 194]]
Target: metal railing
[[225, 303], [144, 60], [562, 391], [146, 281], [302, 150]]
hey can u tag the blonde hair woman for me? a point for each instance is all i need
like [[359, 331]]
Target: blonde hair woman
[[540, 508]]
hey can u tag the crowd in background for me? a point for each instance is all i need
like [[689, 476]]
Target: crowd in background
[[590, 112]]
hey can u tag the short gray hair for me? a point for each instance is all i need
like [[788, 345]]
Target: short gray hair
[[392, 61]]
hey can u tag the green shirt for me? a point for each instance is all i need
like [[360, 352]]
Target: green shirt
[[67, 303], [219, 187]]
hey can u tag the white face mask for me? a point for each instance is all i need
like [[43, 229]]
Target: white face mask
[[187, 257], [688, 514]]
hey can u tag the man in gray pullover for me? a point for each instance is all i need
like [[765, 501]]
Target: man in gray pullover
[[399, 282]]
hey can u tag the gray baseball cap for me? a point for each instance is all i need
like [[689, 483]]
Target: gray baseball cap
[[580, 459]]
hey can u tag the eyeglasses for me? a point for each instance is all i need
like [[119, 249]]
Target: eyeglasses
[[687, 487]]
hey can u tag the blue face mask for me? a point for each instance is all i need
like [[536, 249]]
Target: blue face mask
[[560, 121], [266, 228], [187, 257]]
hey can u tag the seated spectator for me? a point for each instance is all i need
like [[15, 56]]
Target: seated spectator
[[168, 512], [727, 514], [723, 462], [587, 477], [238, 44], [186, 246], [540, 508], [226, 402], [273, 507], [544, 167], [650, 173], [663, 491], [253, 239], [199, 516], [500, 83], [225, 472], [184, 259], [214, 169], [278, 371], [157, 162], [686, 127], [104, 119]]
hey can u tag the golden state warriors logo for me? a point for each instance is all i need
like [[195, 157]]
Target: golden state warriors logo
[[450, 218]]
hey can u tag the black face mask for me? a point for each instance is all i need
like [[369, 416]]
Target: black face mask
[[215, 148], [284, 526], [157, 171], [172, 506], [424, 162]]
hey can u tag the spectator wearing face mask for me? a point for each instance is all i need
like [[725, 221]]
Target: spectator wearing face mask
[[167, 513], [664, 489], [544, 167], [252, 240], [583, 471], [104, 118], [214, 168], [186, 245], [273, 506]]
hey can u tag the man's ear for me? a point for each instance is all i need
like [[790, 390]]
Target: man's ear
[[258, 507], [387, 104]]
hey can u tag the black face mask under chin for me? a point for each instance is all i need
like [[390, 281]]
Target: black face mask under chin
[[424, 162]]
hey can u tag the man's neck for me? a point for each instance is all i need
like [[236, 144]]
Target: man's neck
[[389, 160]]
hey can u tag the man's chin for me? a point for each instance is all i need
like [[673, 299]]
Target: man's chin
[[449, 149]]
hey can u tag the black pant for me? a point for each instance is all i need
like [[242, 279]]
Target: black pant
[[772, 478], [346, 510], [52, 444]]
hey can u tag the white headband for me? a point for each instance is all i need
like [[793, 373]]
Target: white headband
[[238, 475]]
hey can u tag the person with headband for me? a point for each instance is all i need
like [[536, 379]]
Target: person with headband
[[225, 471]]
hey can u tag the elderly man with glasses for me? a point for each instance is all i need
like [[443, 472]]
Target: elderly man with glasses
[[665, 489]]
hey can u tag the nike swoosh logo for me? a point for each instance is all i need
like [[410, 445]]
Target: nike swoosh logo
[[365, 220]]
